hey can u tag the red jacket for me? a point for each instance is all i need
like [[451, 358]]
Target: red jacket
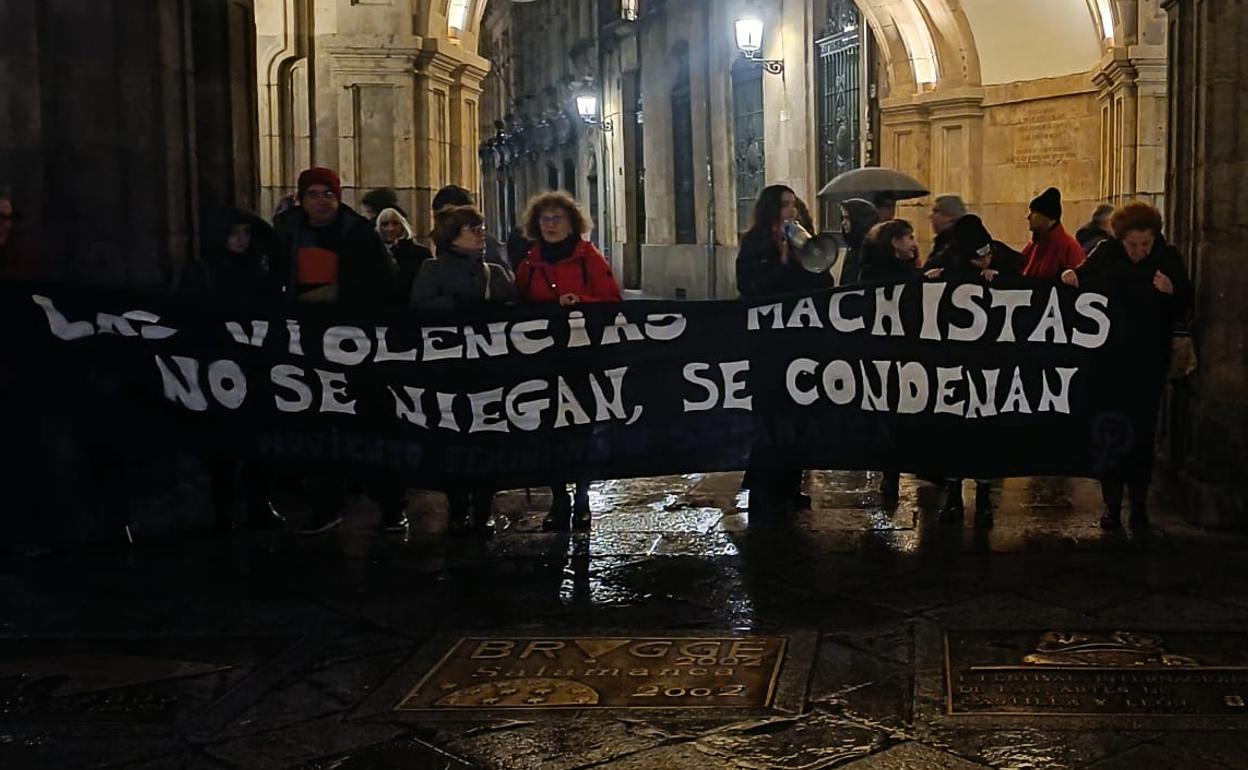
[[585, 274], [1053, 254]]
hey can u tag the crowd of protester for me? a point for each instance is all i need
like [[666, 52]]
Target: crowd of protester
[[318, 249], [1118, 247]]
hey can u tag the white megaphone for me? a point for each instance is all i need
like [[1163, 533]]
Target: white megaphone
[[816, 253]]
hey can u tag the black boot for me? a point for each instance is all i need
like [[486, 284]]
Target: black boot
[[560, 517], [459, 523], [952, 511], [768, 507], [983, 504], [890, 485], [582, 517], [483, 515], [1111, 494]]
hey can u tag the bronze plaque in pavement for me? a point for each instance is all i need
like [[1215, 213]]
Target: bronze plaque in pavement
[[591, 672], [1095, 673]]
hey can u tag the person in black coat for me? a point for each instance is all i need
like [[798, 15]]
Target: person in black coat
[[971, 255], [1138, 255], [765, 264], [858, 216], [1096, 230], [236, 271], [330, 254], [239, 253], [408, 255], [518, 247], [890, 252]]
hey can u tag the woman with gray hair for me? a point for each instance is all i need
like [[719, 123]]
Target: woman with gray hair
[[396, 233]]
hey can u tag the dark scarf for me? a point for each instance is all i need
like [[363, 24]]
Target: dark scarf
[[557, 252]]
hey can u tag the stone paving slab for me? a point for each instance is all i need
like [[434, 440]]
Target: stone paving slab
[[871, 586]]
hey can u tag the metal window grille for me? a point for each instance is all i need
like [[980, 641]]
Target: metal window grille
[[839, 53], [749, 147], [682, 146]]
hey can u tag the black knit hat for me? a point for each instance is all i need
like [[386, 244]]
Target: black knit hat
[[1048, 203], [971, 237]]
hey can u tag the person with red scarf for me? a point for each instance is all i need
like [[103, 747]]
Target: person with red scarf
[[563, 267], [1052, 250]]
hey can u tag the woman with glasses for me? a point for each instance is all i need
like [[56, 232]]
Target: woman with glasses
[[461, 277], [563, 267]]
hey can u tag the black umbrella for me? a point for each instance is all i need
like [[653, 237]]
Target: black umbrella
[[869, 182]]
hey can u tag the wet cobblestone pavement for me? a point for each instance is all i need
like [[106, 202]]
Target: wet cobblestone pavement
[[268, 650]]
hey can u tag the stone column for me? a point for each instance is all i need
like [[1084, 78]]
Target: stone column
[[465, 128], [906, 145], [1131, 84], [1208, 219], [121, 122], [445, 148]]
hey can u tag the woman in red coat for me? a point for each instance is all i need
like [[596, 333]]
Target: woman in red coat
[[566, 268]]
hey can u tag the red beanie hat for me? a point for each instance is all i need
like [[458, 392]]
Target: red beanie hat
[[320, 175]]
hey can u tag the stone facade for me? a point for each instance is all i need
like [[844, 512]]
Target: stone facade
[[543, 55], [387, 92], [121, 125], [1089, 122]]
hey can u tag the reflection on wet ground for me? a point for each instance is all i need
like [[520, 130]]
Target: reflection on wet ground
[[345, 616]]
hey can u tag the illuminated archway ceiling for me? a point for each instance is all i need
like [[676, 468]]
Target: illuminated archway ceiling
[[984, 42]]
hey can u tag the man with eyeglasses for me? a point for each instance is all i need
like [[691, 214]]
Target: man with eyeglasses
[[334, 255]]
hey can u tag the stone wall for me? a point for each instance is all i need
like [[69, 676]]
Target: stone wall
[[1209, 211], [121, 124], [1035, 135]]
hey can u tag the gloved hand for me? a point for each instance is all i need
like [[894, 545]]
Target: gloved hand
[[1182, 356]]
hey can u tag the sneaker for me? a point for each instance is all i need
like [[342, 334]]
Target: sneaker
[[1111, 519], [559, 519], [322, 524], [393, 521]]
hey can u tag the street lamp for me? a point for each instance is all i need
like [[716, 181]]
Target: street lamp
[[587, 108], [750, 42]]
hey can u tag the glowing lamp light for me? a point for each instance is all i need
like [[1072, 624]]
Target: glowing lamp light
[[587, 107], [749, 36]]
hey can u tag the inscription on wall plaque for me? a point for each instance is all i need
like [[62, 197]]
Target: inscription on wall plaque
[[1115, 673], [614, 673]]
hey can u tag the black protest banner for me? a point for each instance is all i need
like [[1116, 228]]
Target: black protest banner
[[951, 379]]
